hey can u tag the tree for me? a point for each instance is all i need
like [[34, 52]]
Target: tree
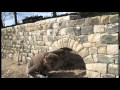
[[54, 14], [1, 21], [15, 17]]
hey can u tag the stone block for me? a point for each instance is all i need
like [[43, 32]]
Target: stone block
[[84, 52], [87, 30], [114, 18], [83, 38], [91, 74], [88, 59], [111, 28], [113, 69], [99, 58], [93, 50], [67, 31], [79, 48], [102, 50], [104, 19], [112, 49], [94, 38], [109, 39], [97, 67], [80, 22], [99, 28]]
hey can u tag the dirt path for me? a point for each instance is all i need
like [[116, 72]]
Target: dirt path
[[11, 70]]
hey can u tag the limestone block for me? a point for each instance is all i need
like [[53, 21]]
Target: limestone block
[[80, 22], [88, 59], [67, 31], [87, 30], [99, 28], [109, 39], [84, 52], [114, 18], [99, 58], [94, 38], [83, 38], [104, 19], [48, 43], [112, 28], [79, 48], [102, 50], [113, 69], [91, 74], [71, 23], [97, 67], [113, 49], [71, 43], [88, 45], [93, 50], [75, 45]]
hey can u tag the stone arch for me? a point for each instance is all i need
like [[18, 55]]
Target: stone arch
[[74, 45]]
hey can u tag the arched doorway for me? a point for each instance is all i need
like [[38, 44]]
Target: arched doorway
[[73, 65]]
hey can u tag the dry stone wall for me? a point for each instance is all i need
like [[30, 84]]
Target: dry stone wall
[[95, 39]]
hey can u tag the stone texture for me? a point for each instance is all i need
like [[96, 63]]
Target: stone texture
[[99, 28], [28, 58], [87, 30], [88, 45], [49, 38], [48, 43], [109, 39], [97, 67], [102, 50], [77, 31], [71, 23], [64, 24], [91, 74], [103, 58], [87, 21], [94, 38], [111, 28], [71, 43], [107, 76], [56, 25], [95, 20], [56, 44], [50, 32], [117, 57], [78, 48], [88, 59], [113, 69], [75, 45], [65, 42], [114, 18], [41, 43], [104, 19], [112, 49], [80, 22], [84, 52], [83, 38], [93, 50], [67, 31]]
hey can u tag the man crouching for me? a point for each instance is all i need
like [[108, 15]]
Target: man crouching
[[39, 65]]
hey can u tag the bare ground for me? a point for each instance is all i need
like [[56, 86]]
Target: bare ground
[[11, 70]]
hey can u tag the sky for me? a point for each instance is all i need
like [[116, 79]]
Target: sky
[[10, 21]]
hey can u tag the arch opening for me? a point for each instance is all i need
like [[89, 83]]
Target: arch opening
[[72, 64]]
